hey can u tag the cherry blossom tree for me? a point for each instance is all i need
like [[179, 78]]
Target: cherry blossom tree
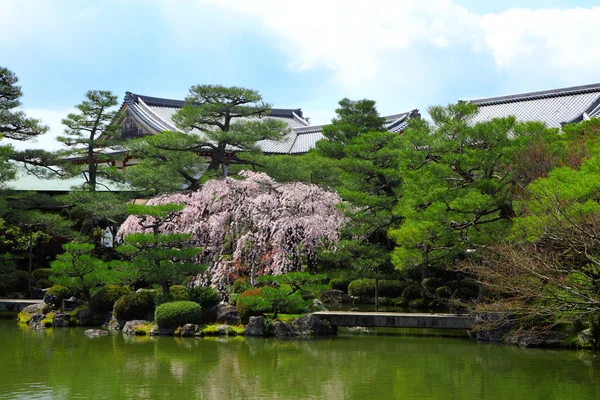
[[252, 226]]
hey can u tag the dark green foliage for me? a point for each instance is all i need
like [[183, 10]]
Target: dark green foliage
[[248, 306], [366, 288], [240, 285], [103, 300], [21, 280], [60, 293], [178, 313], [340, 284], [362, 287], [444, 292], [134, 306], [412, 292], [41, 278], [206, 296], [179, 292], [431, 283]]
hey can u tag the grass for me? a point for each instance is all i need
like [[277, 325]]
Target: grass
[[48, 320], [144, 329], [213, 330], [24, 317], [284, 317]]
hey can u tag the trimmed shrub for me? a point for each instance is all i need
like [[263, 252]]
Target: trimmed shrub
[[431, 283], [178, 313], [340, 284], [249, 306], [60, 293], [206, 296], [444, 292], [104, 299], [412, 292], [362, 287], [41, 277], [134, 306], [179, 292], [391, 288], [22, 280]]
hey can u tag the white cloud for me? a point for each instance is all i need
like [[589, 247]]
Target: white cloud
[[353, 39], [46, 141]]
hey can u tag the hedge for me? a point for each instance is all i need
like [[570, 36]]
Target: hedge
[[104, 299], [179, 292], [366, 288], [178, 313], [340, 284], [134, 306], [206, 296]]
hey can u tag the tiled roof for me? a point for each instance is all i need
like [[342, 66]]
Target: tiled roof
[[554, 107], [156, 114]]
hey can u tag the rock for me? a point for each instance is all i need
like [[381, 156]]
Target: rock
[[40, 308], [222, 313], [318, 305], [114, 324], [95, 332], [71, 303], [84, 316], [255, 327], [491, 327], [50, 298], [548, 339], [311, 325], [61, 320], [129, 327], [306, 326], [189, 330], [333, 297], [36, 321]]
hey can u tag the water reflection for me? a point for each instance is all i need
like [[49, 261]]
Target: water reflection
[[65, 364]]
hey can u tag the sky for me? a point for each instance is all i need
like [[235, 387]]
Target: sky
[[404, 54]]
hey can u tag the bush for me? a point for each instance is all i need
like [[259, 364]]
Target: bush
[[391, 288], [444, 292], [249, 306], [134, 306], [22, 280], [241, 285], [206, 296], [179, 292], [362, 287], [178, 313], [366, 287], [41, 277], [340, 284], [104, 299], [431, 283], [412, 292], [60, 293]]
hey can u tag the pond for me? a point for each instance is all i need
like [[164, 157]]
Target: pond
[[65, 364]]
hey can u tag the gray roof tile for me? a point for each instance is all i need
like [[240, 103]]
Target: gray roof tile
[[553, 107]]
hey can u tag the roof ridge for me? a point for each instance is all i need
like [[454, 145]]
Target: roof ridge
[[542, 94]]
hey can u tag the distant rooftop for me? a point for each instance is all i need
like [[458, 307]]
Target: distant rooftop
[[554, 107], [156, 115]]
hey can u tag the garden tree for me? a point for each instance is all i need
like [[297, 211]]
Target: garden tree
[[222, 120], [252, 226], [291, 292], [14, 124], [155, 257], [90, 134], [456, 190], [550, 267], [79, 270]]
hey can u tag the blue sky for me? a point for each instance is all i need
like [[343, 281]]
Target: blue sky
[[404, 54]]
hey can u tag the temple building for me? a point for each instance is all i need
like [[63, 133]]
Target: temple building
[[555, 107]]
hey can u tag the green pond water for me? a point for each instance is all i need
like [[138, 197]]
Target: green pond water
[[65, 364]]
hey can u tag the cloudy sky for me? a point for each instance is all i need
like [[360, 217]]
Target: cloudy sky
[[309, 54]]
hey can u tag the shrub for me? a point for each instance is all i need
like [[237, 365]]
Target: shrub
[[134, 306], [362, 287], [60, 293], [178, 313], [391, 288], [241, 285], [179, 292], [206, 296], [431, 283], [103, 300], [444, 292], [249, 305], [340, 284], [41, 277], [22, 280], [412, 292]]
